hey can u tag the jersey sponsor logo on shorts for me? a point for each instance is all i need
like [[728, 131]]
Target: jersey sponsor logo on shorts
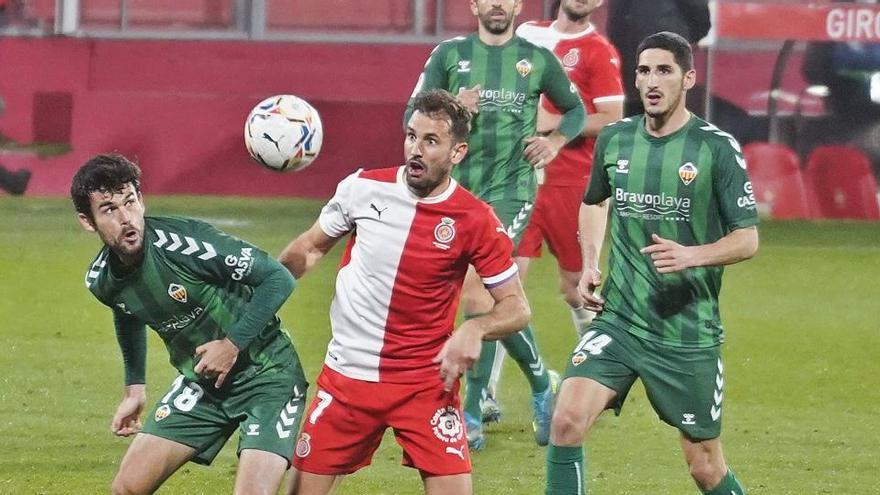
[[446, 425], [688, 419], [687, 173], [571, 58], [242, 264], [193, 246], [444, 233], [177, 292], [578, 358], [455, 451], [303, 447], [163, 412], [524, 67]]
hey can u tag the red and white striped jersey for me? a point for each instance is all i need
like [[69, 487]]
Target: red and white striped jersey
[[399, 281], [593, 65]]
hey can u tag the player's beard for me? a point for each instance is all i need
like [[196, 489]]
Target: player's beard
[[674, 99], [573, 15], [496, 26]]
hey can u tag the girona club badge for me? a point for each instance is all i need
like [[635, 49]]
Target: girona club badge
[[303, 447], [444, 233], [446, 425]]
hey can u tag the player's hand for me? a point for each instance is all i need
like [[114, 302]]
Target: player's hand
[[216, 359], [459, 353], [669, 256], [127, 420], [470, 98], [591, 279], [541, 150]]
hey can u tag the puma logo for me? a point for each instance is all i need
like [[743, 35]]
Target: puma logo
[[269, 138], [378, 211], [453, 450]]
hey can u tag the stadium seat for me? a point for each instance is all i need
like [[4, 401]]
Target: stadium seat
[[775, 171], [843, 182]]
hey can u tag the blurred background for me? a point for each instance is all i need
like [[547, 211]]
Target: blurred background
[[170, 82]]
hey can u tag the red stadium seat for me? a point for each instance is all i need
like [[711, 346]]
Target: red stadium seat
[[775, 171], [844, 184]]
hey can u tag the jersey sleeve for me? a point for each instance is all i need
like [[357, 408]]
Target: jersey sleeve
[[335, 218], [603, 79], [131, 334], [228, 259], [564, 96], [599, 188], [433, 76], [736, 201], [492, 251]]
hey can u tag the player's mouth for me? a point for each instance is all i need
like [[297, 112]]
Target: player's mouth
[[653, 98], [415, 168], [497, 15], [131, 236]]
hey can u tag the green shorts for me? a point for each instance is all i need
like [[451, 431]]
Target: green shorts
[[684, 385], [266, 409], [514, 215]]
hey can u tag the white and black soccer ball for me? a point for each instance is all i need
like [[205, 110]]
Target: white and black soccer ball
[[283, 133]]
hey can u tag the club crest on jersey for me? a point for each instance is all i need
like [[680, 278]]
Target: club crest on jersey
[[444, 233], [446, 425], [177, 292], [687, 173], [303, 447], [578, 358], [162, 413], [571, 58], [524, 67]]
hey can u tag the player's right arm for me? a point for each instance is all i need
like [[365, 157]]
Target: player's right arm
[[592, 223], [131, 334], [305, 251], [334, 222]]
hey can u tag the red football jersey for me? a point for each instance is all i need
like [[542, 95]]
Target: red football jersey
[[593, 65], [399, 281]]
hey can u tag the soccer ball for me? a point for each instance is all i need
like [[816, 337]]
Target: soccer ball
[[283, 133]]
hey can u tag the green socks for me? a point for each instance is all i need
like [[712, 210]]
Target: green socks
[[565, 471]]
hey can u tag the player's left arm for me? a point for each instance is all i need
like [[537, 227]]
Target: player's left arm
[[240, 262], [540, 150], [736, 204], [306, 250]]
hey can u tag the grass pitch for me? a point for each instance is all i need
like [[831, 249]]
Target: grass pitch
[[801, 397]]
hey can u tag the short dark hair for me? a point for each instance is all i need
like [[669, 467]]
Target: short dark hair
[[106, 173], [671, 42], [440, 103]]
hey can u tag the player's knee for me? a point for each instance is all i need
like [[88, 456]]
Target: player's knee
[[568, 426], [122, 485]]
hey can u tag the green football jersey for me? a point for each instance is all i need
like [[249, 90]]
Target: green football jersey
[[690, 187], [192, 287], [512, 78]]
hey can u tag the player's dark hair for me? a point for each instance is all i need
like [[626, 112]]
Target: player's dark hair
[[673, 43], [553, 12], [438, 102], [105, 174]]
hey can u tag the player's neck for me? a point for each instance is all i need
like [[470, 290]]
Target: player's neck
[[565, 25], [668, 123], [495, 39]]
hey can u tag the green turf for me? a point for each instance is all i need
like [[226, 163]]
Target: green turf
[[801, 397]]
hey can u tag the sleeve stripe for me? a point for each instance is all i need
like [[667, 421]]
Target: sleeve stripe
[[502, 277], [603, 99]]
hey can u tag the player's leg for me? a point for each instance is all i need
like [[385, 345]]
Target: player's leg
[[459, 484], [259, 472], [707, 467], [685, 388], [149, 461], [269, 407], [598, 376], [312, 484], [341, 430]]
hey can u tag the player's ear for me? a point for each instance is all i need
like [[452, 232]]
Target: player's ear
[[86, 222], [458, 152], [690, 79], [517, 8], [474, 9]]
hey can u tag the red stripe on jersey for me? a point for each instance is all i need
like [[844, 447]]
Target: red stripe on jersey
[[380, 174]]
